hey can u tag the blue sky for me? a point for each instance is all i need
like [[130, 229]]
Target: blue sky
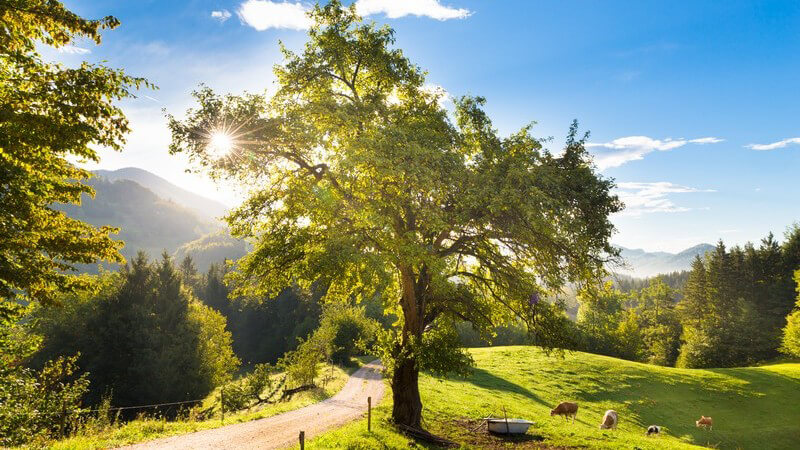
[[694, 107]]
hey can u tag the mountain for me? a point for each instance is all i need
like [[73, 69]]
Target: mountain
[[205, 208], [146, 221], [644, 264]]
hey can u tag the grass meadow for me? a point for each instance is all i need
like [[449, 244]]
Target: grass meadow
[[753, 408]]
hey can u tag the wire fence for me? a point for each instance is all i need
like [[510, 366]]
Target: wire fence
[[155, 405]]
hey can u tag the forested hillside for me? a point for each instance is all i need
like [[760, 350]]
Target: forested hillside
[[729, 310], [207, 209], [152, 223], [146, 221]]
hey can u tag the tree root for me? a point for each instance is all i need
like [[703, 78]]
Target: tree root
[[420, 434]]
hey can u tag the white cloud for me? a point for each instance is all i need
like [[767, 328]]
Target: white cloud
[[265, 14], [72, 50], [643, 198], [632, 148], [774, 145], [222, 15], [706, 140], [400, 8]]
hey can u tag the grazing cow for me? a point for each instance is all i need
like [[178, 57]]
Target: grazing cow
[[705, 422], [609, 420], [565, 409], [653, 429]]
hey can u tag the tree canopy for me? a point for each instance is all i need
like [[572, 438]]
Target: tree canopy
[[51, 115], [361, 179]]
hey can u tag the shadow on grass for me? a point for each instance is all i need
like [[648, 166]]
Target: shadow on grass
[[489, 381]]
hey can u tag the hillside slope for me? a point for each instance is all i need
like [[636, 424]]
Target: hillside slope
[[146, 221], [207, 209], [753, 408]]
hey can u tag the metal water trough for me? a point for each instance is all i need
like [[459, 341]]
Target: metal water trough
[[507, 426]]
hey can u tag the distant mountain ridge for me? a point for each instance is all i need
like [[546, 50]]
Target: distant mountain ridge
[[643, 264], [205, 208], [146, 221], [173, 219]]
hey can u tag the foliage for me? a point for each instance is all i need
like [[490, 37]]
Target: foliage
[[262, 331], [35, 405], [345, 329], [366, 184], [302, 364], [142, 336], [513, 334], [49, 116], [730, 312], [736, 302], [599, 317], [661, 327], [528, 383], [791, 333], [251, 389], [674, 280]]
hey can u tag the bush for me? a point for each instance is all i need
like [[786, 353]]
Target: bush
[[35, 405], [345, 329], [791, 333], [258, 387]]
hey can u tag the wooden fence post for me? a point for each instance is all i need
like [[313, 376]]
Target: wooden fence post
[[302, 440], [369, 414]]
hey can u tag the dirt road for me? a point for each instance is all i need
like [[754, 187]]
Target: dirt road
[[282, 430]]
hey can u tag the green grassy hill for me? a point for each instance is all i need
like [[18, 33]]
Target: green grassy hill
[[753, 408]]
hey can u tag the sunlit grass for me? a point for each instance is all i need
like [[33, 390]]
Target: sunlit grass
[[752, 407]]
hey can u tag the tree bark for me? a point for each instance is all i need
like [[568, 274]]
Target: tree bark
[[407, 408]]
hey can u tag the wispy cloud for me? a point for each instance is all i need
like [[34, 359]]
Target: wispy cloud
[[395, 9], [643, 198], [153, 48], [221, 15], [632, 148], [73, 50], [265, 14], [774, 145]]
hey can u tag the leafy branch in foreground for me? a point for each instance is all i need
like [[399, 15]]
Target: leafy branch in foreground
[[51, 115]]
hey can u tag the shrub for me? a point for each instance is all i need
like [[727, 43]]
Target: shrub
[[35, 405]]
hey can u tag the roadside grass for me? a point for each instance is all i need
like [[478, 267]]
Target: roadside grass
[[147, 428], [752, 407]]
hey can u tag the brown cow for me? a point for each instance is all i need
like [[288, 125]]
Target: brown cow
[[706, 422], [565, 409]]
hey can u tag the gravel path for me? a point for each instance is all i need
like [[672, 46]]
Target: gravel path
[[282, 430]]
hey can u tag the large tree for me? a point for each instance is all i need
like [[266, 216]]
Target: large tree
[[360, 179], [51, 115]]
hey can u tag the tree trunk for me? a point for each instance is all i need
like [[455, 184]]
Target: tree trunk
[[407, 408]]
